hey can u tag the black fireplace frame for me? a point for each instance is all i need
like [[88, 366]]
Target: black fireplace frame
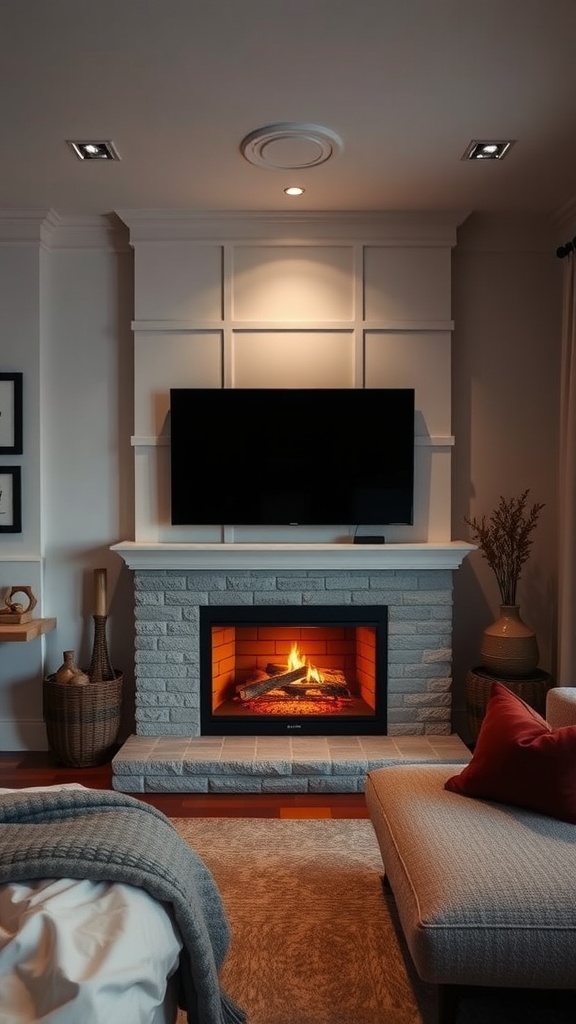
[[289, 615]]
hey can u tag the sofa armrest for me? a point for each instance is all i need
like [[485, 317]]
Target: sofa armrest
[[561, 706]]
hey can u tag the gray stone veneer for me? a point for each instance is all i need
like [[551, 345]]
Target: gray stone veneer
[[271, 764], [167, 636]]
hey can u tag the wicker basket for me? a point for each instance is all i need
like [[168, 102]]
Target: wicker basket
[[532, 689], [82, 722]]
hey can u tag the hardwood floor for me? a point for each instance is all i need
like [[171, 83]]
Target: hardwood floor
[[19, 769]]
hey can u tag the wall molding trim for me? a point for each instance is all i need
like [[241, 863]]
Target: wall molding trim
[[50, 230], [108, 233], [23, 227], [394, 228]]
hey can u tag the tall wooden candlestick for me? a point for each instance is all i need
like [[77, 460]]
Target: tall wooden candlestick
[[100, 667], [100, 592]]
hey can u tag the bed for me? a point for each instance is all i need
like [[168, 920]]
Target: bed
[[106, 914]]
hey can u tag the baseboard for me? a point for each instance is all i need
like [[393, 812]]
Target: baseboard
[[23, 735]]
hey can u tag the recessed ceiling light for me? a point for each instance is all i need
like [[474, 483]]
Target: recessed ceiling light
[[94, 150], [487, 150], [294, 190]]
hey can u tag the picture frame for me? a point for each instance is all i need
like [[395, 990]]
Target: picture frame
[[10, 499], [11, 413]]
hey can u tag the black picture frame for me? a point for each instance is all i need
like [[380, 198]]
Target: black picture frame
[[10, 499], [11, 413]]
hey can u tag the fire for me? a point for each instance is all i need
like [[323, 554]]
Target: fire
[[299, 689], [296, 659]]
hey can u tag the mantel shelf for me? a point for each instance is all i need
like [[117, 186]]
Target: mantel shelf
[[162, 556], [26, 630]]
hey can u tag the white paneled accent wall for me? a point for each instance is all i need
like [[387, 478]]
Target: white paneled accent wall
[[325, 300]]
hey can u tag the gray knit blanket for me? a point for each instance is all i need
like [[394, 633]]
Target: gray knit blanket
[[109, 836]]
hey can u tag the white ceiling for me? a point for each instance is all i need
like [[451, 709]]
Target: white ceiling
[[177, 84]]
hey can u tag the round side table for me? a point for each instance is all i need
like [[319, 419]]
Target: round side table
[[532, 689]]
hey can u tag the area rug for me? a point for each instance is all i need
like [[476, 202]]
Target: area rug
[[314, 938]]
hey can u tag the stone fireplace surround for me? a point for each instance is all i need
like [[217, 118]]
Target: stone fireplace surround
[[172, 581]]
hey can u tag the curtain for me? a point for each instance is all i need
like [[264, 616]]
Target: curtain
[[567, 485]]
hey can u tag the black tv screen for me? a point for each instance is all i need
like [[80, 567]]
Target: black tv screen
[[292, 456]]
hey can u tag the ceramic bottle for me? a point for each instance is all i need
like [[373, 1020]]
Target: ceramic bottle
[[69, 671]]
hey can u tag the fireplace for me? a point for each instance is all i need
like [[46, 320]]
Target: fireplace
[[392, 601], [175, 586], [302, 670]]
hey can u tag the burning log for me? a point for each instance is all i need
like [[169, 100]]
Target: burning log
[[252, 690], [273, 669], [310, 687], [327, 675], [332, 683]]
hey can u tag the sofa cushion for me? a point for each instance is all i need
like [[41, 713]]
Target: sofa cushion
[[561, 706], [519, 759], [485, 892]]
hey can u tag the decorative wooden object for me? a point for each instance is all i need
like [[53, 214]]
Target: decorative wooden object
[[100, 596], [100, 666], [16, 613]]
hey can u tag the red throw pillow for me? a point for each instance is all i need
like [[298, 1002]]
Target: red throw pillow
[[519, 759]]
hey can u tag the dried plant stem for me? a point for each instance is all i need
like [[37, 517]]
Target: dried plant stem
[[505, 540]]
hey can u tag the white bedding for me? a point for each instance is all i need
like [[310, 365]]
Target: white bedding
[[82, 952]]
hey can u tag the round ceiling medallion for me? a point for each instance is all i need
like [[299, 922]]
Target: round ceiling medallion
[[290, 146]]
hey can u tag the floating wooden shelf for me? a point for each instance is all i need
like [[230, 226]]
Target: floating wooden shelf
[[26, 630]]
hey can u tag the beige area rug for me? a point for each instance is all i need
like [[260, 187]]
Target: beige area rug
[[314, 938]]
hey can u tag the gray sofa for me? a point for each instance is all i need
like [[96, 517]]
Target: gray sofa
[[485, 892]]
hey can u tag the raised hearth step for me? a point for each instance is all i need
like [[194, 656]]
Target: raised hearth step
[[270, 764]]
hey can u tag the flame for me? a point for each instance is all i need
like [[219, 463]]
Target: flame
[[312, 702], [296, 659]]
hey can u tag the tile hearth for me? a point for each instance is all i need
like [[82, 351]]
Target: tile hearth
[[270, 764]]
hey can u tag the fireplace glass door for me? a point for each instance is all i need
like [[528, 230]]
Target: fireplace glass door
[[293, 670]]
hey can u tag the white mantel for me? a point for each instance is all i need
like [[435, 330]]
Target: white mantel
[[292, 556]]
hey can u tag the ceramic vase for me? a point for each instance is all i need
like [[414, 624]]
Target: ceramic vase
[[69, 671], [509, 647]]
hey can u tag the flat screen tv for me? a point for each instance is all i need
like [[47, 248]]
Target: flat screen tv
[[292, 456]]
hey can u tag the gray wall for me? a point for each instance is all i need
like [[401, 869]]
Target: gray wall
[[506, 362]]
